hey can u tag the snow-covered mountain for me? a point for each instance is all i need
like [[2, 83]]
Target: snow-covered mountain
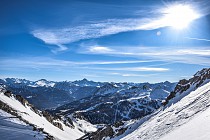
[[126, 111], [184, 116], [49, 94], [12, 128], [118, 101], [14, 106]]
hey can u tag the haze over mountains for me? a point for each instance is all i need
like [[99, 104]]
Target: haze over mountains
[[103, 110]]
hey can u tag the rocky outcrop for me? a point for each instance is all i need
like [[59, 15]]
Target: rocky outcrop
[[52, 119], [22, 100], [8, 109], [57, 124], [8, 93], [193, 83]]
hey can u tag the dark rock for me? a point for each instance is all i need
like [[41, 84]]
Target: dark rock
[[121, 131], [57, 124], [68, 122], [118, 124], [22, 100], [8, 93], [47, 115], [183, 85]]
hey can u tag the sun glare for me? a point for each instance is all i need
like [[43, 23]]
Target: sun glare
[[179, 16]]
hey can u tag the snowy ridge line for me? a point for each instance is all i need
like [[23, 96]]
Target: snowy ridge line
[[184, 87], [11, 111], [41, 121]]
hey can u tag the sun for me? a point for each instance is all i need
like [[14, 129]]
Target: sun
[[179, 16]]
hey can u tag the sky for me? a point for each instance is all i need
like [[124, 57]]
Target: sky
[[104, 40]]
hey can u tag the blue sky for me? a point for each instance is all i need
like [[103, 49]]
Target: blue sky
[[109, 40]]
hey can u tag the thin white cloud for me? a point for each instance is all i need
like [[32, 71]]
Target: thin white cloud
[[62, 65], [136, 69], [42, 62], [194, 52], [60, 48], [200, 56], [132, 75], [138, 75], [200, 39], [100, 49], [150, 51]]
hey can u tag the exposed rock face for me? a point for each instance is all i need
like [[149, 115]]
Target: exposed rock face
[[8, 93], [183, 85], [68, 122], [48, 116], [22, 100], [52, 119], [57, 124], [8, 109]]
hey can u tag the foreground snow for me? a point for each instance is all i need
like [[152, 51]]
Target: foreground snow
[[13, 128], [189, 116], [196, 129], [28, 114]]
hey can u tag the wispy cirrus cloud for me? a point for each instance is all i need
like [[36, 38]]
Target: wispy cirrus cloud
[[135, 69], [199, 39], [63, 65], [99, 29], [200, 56], [100, 49], [138, 50], [152, 18], [44, 62], [132, 75]]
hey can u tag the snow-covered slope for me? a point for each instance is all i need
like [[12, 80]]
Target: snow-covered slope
[[173, 121], [196, 129], [27, 113], [184, 87], [12, 128]]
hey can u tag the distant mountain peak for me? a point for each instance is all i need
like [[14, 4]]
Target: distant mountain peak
[[42, 80], [84, 79]]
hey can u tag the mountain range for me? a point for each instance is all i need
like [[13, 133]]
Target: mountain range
[[86, 109]]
